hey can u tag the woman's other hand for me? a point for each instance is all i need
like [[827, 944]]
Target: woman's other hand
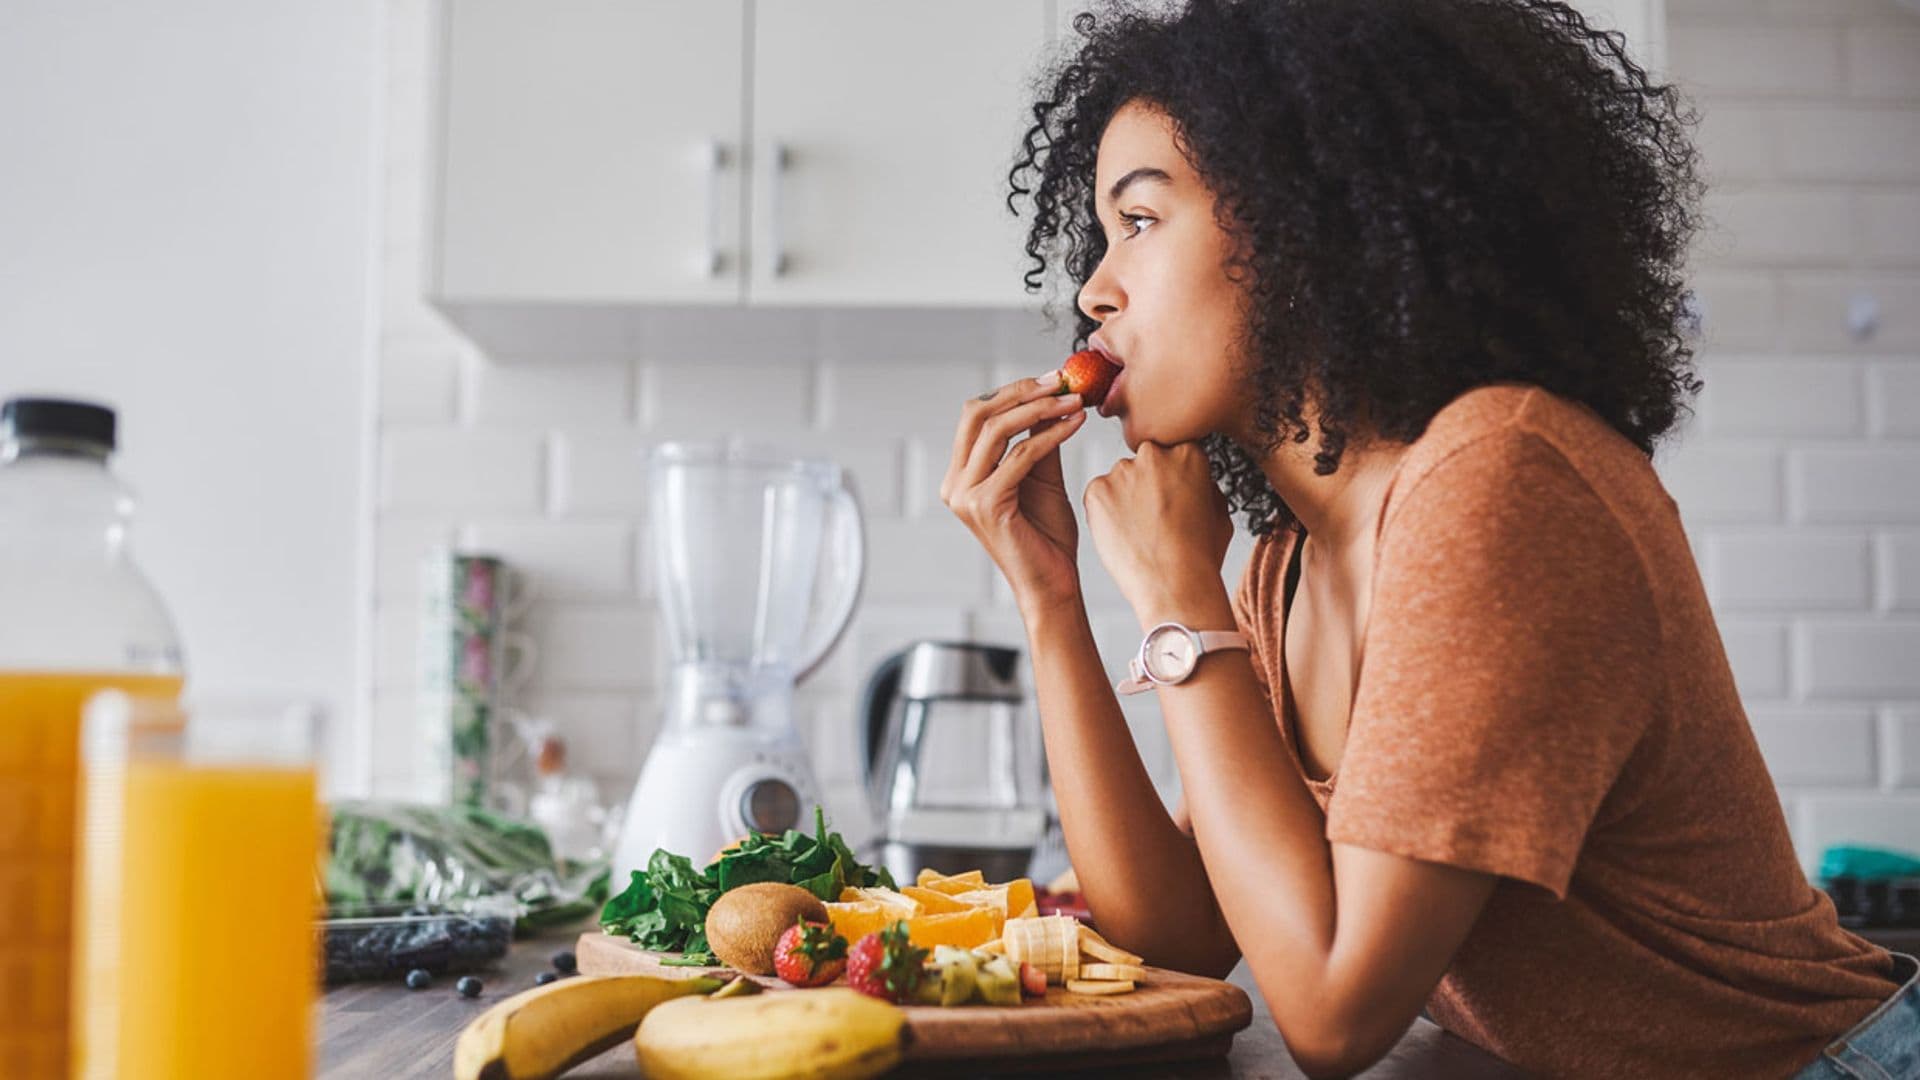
[[1161, 527]]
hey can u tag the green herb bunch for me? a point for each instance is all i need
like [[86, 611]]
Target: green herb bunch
[[664, 908]]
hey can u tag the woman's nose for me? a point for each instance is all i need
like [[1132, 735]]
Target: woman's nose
[[1100, 298]]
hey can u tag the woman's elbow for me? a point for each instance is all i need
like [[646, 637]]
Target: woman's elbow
[[1329, 1047]]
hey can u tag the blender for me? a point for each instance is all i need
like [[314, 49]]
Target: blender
[[759, 560]]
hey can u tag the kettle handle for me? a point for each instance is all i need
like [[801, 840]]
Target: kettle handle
[[848, 533], [876, 705]]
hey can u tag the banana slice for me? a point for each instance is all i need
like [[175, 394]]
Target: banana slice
[[1094, 945], [1067, 933], [1098, 987], [1120, 972]]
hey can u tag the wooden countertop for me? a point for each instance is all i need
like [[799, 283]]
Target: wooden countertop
[[385, 1030]]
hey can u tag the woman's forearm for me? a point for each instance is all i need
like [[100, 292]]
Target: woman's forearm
[[1141, 876]]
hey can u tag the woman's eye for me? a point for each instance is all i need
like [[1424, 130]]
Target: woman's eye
[[1132, 225]]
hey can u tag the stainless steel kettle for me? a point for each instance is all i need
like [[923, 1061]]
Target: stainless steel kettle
[[956, 773]]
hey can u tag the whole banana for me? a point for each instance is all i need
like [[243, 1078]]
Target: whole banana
[[828, 1034], [550, 1029]]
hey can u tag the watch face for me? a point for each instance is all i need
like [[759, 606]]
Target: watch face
[[1170, 654]]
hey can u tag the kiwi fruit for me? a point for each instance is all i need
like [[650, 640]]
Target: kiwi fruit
[[745, 924]]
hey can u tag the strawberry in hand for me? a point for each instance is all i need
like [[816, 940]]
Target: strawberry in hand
[[885, 964], [809, 954], [1088, 373]]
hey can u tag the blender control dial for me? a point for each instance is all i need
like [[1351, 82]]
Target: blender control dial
[[770, 805]]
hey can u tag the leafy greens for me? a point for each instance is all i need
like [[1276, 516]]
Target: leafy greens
[[664, 907]]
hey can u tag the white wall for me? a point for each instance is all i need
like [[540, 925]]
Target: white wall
[[1800, 479], [187, 206]]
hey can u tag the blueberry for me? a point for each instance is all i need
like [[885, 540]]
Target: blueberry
[[468, 986], [419, 979], [544, 978], [564, 963]]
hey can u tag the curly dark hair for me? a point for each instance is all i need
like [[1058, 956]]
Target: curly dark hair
[[1426, 196]]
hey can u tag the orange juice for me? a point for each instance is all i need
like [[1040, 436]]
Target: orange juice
[[201, 957], [39, 754]]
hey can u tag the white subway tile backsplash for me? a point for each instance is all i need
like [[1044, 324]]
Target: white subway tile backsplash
[[549, 393], [1770, 225], [563, 560], [1900, 738], [1715, 483], [1899, 571], [599, 647], [700, 400], [1887, 226], [600, 472], [1754, 58], [1816, 746], [1856, 659], [926, 560], [923, 400], [1855, 484], [1880, 62], [1757, 653], [1850, 144], [1738, 309], [1747, 396], [1736, 142], [437, 469], [908, 338], [700, 337], [1817, 306], [1893, 399], [1786, 570]]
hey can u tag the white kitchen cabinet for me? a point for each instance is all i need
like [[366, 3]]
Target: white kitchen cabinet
[[590, 151], [883, 132], [778, 152]]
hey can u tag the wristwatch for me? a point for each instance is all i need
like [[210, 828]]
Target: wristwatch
[[1170, 652]]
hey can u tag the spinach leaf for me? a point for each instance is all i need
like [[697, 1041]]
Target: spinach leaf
[[665, 907]]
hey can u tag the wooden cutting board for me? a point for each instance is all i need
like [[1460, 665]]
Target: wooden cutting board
[[1170, 1017]]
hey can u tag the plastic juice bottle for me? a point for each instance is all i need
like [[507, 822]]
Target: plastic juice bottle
[[76, 616]]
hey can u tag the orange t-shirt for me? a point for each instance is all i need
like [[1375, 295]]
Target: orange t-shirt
[[1543, 696]]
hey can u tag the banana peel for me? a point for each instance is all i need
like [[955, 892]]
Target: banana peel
[[549, 1029]]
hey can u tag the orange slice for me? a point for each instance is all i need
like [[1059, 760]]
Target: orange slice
[[934, 902], [961, 929], [972, 879], [856, 920]]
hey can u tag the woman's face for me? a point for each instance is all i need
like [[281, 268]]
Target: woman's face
[[1161, 294]]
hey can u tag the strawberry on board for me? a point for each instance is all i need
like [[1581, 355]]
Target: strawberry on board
[[886, 964], [809, 954], [1088, 373]]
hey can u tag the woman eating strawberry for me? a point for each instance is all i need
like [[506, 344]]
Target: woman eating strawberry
[[1400, 282]]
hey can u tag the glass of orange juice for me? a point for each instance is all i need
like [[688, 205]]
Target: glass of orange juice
[[198, 889]]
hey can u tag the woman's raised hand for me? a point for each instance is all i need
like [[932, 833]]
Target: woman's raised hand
[[1013, 495]]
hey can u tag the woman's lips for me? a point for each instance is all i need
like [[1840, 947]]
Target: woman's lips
[[1110, 406]]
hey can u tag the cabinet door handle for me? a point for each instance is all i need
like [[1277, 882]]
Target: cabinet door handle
[[713, 159], [777, 160]]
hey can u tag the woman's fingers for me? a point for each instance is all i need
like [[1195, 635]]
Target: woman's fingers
[[975, 414], [991, 445], [1029, 452]]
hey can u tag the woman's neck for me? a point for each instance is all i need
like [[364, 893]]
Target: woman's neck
[[1339, 510]]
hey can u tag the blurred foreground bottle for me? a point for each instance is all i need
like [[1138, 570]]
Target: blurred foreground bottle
[[78, 617]]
